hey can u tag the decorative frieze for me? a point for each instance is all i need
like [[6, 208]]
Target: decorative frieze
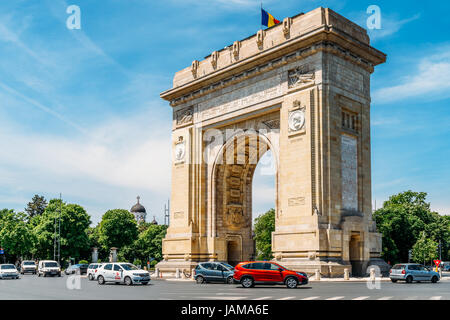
[[298, 201], [300, 76], [184, 116], [272, 124]]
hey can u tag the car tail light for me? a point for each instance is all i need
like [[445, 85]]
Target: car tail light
[[390, 271], [403, 271]]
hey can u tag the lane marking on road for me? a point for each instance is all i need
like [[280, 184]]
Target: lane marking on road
[[335, 298], [361, 298], [286, 298], [262, 298], [436, 298], [385, 298], [310, 298]]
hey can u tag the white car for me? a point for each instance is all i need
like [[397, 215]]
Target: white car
[[28, 266], [92, 271], [49, 268], [122, 272], [8, 271]]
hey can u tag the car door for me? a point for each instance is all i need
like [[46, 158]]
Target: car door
[[117, 273], [425, 274], [258, 271], [416, 272], [206, 271], [272, 272], [107, 272], [215, 273]]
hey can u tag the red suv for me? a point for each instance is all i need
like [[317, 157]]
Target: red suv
[[249, 273]]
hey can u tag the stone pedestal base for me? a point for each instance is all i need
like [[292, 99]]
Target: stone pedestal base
[[172, 265], [331, 268]]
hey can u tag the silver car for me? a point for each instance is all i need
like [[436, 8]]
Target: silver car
[[410, 272]]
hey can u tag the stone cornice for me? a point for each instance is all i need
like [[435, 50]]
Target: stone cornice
[[325, 37]]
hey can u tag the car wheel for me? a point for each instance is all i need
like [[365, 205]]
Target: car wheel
[[409, 279], [39, 274], [394, 280], [91, 278], [200, 280], [434, 279], [101, 280], [128, 281], [230, 280], [291, 283], [247, 282]]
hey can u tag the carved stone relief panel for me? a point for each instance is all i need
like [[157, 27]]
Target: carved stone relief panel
[[184, 116], [296, 117], [301, 76], [180, 150]]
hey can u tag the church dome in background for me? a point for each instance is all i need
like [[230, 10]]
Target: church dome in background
[[139, 211]]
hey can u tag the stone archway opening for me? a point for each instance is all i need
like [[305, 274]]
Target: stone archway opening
[[233, 189], [355, 253]]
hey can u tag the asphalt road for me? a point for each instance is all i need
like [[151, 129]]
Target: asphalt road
[[32, 287]]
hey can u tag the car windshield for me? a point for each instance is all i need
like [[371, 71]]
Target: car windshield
[[398, 266], [8, 267], [129, 267], [51, 265]]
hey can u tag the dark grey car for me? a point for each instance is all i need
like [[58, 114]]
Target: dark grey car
[[214, 272]]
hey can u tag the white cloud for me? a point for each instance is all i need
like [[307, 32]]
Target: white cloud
[[119, 159], [389, 26], [125, 153], [430, 77]]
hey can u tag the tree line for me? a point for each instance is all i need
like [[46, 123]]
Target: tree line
[[31, 234]]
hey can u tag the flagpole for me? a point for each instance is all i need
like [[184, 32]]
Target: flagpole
[[260, 13]]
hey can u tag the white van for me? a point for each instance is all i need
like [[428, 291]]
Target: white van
[[49, 268]]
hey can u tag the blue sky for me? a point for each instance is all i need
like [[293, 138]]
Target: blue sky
[[80, 111]]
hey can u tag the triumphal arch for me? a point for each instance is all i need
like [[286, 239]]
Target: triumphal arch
[[302, 90]]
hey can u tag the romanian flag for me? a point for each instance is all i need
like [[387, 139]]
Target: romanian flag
[[267, 19]]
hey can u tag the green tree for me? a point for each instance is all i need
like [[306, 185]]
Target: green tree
[[36, 207], [16, 237], [424, 250], [118, 228], [74, 225], [402, 219], [264, 226], [149, 243]]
